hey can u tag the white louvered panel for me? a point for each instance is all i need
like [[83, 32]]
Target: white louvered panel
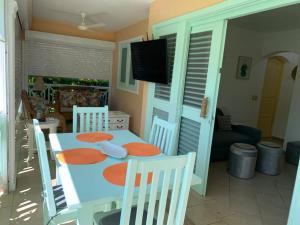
[[197, 67], [162, 91], [188, 136], [161, 114], [56, 59]]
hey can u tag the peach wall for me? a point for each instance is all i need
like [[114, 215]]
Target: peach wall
[[161, 10], [123, 100], [68, 29]]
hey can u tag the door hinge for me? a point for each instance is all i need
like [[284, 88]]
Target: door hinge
[[221, 71]]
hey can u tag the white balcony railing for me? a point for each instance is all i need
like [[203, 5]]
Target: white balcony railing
[[51, 89]]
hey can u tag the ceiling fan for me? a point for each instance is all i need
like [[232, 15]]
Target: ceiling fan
[[84, 27]]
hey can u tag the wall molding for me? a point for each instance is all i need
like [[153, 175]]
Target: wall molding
[[68, 40]]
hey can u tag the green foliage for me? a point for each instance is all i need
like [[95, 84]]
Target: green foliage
[[70, 81]]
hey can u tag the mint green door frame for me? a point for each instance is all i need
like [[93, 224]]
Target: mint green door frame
[[294, 215], [180, 29], [228, 9]]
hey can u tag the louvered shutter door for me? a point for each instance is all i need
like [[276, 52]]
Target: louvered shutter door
[[197, 67], [162, 91], [188, 136], [161, 114]]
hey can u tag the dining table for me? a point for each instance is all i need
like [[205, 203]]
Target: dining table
[[85, 187]]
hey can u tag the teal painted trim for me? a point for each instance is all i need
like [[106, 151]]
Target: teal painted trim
[[221, 12], [229, 9], [214, 90], [168, 106], [294, 215]]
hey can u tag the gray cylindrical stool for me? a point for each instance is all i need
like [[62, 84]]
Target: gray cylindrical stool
[[269, 158], [242, 160]]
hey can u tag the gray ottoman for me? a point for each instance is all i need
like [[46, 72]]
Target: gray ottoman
[[242, 160], [293, 152], [269, 158]]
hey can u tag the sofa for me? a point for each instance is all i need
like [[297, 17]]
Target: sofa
[[68, 96], [223, 139]]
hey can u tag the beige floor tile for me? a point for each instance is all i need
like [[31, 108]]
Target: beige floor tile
[[6, 200], [274, 221], [269, 211], [202, 215], [27, 213], [30, 194], [194, 199], [242, 219], [5, 215], [244, 205], [272, 199], [24, 182]]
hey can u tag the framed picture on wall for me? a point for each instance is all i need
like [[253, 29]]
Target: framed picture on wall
[[244, 67]]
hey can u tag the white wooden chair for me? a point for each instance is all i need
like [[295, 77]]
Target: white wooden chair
[[174, 172], [162, 135], [55, 209], [90, 119]]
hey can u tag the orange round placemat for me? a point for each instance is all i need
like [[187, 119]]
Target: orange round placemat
[[116, 174], [141, 149], [80, 156], [94, 137]]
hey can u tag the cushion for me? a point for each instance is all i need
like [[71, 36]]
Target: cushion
[[227, 138], [114, 218], [224, 123], [59, 197], [94, 98], [67, 98], [38, 103]]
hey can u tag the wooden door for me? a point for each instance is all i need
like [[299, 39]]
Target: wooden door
[[270, 94]]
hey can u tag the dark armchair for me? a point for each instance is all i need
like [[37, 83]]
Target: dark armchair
[[222, 140]]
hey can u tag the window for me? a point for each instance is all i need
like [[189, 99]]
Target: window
[[125, 76]]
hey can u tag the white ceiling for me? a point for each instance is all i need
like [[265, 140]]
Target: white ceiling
[[116, 14], [285, 18]]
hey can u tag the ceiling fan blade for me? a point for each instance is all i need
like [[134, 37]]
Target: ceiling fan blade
[[96, 25]]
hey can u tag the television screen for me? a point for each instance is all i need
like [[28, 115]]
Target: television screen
[[149, 61]]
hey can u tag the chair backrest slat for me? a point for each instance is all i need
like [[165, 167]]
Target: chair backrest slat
[[142, 198], [172, 174], [163, 197], [90, 119], [153, 197], [162, 135], [45, 169]]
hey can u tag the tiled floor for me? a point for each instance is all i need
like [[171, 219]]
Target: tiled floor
[[263, 200]]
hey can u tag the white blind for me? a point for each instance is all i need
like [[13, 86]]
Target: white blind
[[197, 67], [62, 60], [163, 91], [188, 136]]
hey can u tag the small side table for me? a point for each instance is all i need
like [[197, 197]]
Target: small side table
[[50, 124]]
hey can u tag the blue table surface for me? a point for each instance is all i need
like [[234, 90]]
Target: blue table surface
[[85, 184]]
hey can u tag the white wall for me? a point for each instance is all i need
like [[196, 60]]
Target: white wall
[[236, 96], [285, 96]]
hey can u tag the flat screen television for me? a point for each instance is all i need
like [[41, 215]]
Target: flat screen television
[[149, 61]]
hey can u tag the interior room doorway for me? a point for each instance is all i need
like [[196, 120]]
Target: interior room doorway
[[260, 99], [270, 95]]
